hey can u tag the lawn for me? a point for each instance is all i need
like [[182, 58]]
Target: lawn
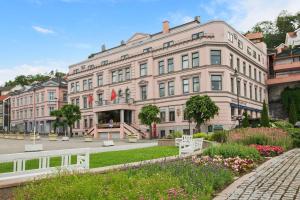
[[107, 158], [175, 180]]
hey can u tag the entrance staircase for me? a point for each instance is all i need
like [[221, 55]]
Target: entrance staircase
[[133, 130]]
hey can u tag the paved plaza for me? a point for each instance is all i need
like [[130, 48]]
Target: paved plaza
[[17, 146], [278, 178]]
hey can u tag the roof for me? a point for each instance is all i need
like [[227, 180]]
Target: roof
[[253, 36], [3, 97], [292, 34]]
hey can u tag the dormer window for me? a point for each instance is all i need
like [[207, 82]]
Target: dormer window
[[104, 62], [76, 71], [197, 35], [240, 44], [249, 50], [168, 44], [124, 56], [83, 67], [147, 49], [230, 36]]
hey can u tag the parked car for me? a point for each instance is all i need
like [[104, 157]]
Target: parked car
[[297, 124]]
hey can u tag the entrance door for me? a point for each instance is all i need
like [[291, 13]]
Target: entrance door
[[128, 116]]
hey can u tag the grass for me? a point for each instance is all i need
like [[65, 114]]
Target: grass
[[106, 158], [176, 180], [233, 150]]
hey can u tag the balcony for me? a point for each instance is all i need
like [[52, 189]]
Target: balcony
[[289, 78], [118, 104], [287, 67]]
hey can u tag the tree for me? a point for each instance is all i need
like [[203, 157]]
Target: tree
[[264, 121], [200, 109], [59, 119], [245, 121], [293, 113], [71, 114], [148, 115]]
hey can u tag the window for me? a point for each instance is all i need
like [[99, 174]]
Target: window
[[42, 98], [255, 74], [171, 88], [124, 56], [162, 116], [232, 111], [185, 61], [37, 99], [51, 96], [161, 67], [120, 75], [168, 44], [144, 92], [85, 123], [170, 65], [143, 69], [127, 95], [249, 50], [77, 87], [216, 82], [250, 71], [215, 57], [260, 94], [197, 35], [114, 77], [196, 84], [85, 84], [230, 36], [240, 44], [231, 60], [90, 84], [232, 84], [42, 111], [100, 80], [161, 90], [245, 89], [65, 97], [72, 87], [255, 93], [85, 102], [104, 62], [171, 115], [77, 102], [244, 67], [238, 64], [259, 76], [127, 73], [185, 86], [254, 54], [147, 49], [100, 99], [250, 91], [51, 108], [238, 87], [195, 59], [258, 57]]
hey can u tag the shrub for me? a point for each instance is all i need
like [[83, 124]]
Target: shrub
[[264, 121], [205, 136], [245, 121], [175, 134], [295, 134], [232, 150], [283, 124], [220, 136], [266, 150]]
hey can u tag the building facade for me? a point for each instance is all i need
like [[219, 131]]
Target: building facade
[[166, 69], [31, 105]]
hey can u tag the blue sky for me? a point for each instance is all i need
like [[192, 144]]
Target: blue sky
[[40, 35]]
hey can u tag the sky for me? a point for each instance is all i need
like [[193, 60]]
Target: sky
[[37, 36]]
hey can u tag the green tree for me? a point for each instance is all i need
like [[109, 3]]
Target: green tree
[[71, 114], [264, 121], [293, 113], [59, 119], [200, 109], [148, 115], [245, 121]]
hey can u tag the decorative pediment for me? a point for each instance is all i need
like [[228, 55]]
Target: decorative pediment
[[143, 82], [138, 36], [50, 84]]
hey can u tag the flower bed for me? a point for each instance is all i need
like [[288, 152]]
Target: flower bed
[[267, 151]]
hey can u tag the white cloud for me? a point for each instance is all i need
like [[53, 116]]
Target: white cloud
[[42, 30], [37, 67], [243, 15]]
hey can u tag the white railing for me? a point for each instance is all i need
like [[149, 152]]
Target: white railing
[[18, 162], [188, 145]]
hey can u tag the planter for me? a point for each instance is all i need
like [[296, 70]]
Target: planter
[[36, 137], [166, 142], [132, 139], [88, 138], [20, 137], [52, 137]]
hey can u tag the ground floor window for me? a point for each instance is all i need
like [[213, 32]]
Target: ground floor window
[[172, 115], [186, 131], [162, 133]]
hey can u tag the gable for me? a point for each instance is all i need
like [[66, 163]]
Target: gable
[[138, 36], [50, 84]]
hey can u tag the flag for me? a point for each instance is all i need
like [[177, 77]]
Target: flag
[[113, 95], [90, 99]]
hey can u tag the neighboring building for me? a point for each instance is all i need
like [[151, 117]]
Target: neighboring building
[[3, 107], [31, 105], [293, 38], [284, 71], [166, 69]]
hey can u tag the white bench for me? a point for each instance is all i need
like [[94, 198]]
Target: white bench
[[189, 145], [108, 143]]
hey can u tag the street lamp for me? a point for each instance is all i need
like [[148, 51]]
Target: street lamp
[[237, 94]]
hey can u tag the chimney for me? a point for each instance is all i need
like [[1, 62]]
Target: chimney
[[197, 18], [122, 42], [166, 27], [103, 48]]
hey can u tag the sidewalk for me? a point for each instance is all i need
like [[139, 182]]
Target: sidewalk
[[278, 178]]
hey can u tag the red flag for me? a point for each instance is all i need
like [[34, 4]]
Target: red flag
[[113, 95], [90, 99]]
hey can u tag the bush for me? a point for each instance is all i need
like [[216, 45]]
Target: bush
[[205, 136], [175, 134], [232, 150], [283, 124], [220, 136], [295, 134]]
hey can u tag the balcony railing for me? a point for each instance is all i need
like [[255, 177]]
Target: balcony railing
[[118, 101]]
